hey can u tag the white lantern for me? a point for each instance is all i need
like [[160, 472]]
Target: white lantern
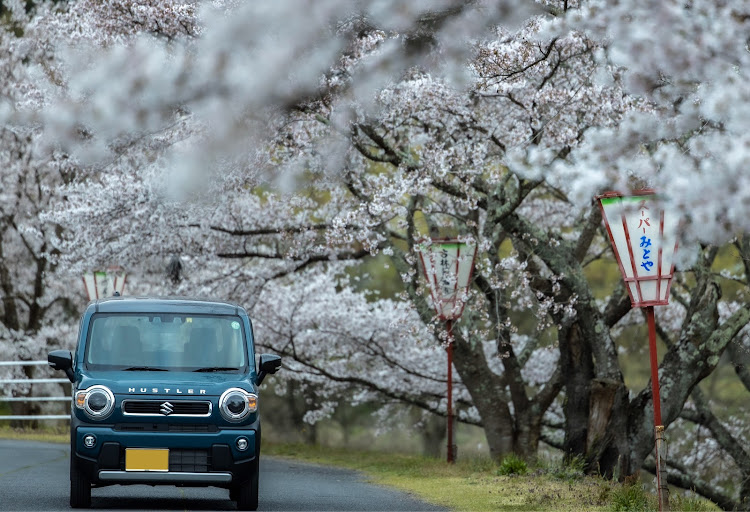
[[644, 239], [102, 284], [448, 265]]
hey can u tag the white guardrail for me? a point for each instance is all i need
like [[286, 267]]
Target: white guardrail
[[33, 398]]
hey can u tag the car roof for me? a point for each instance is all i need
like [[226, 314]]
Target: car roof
[[128, 304]]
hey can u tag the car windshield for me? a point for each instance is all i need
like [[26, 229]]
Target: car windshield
[[166, 342]]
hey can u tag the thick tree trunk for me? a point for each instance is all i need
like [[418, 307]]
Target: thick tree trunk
[[528, 430], [35, 310], [483, 386], [595, 422], [433, 436], [578, 370], [10, 312], [607, 448], [25, 409]]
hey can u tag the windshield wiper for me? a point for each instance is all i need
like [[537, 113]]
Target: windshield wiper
[[216, 369], [145, 369]]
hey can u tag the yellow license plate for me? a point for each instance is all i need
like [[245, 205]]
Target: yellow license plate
[[146, 459]]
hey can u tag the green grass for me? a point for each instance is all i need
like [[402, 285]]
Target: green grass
[[475, 484], [45, 434], [631, 497], [513, 465], [472, 484], [564, 470], [690, 504]]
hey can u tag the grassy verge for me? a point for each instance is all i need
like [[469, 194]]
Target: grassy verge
[[480, 484], [476, 484], [46, 435]]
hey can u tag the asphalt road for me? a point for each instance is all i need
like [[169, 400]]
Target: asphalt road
[[34, 476]]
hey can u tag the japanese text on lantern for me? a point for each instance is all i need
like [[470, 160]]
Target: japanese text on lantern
[[645, 245], [445, 273]]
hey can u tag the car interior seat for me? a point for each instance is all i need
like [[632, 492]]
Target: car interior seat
[[200, 350], [126, 346]]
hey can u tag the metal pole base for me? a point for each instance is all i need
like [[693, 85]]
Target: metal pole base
[[662, 489]]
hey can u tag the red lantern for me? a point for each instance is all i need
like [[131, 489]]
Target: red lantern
[[644, 239], [448, 265]]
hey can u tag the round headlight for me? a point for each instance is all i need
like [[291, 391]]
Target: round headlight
[[236, 404], [97, 402]]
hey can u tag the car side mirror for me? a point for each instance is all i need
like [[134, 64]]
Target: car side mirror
[[269, 364], [62, 360]]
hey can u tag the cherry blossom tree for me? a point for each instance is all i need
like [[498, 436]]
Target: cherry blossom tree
[[265, 147], [37, 307]]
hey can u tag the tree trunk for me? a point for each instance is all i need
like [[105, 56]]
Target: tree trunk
[[528, 430], [308, 433], [578, 370], [10, 311], [25, 408], [34, 322], [433, 436], [607, 449], [483, 387]]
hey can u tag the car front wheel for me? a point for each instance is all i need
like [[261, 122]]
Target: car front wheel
[[80, 488], [246, 493]]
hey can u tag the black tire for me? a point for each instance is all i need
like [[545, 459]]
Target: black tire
[[80, 488], [247, 493]]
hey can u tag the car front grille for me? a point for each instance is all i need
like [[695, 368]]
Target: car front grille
[[194, 461], [165, 427], [166, 408], [180, 459]]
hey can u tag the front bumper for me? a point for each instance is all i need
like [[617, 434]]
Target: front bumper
[[176, 478], [195, 458]]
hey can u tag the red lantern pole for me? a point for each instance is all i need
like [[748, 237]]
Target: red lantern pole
[[451, 445], [643, 236], [662, 490], [448, 265], [650, 318]]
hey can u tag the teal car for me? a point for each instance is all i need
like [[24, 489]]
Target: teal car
[[165, 392]]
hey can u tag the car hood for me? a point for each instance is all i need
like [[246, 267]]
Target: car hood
[[183, 384]]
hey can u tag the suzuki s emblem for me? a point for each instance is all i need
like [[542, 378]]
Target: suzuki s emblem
[[166, 408]]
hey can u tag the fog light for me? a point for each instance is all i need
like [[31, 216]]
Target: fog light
[[89, 441], [242, 444]]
